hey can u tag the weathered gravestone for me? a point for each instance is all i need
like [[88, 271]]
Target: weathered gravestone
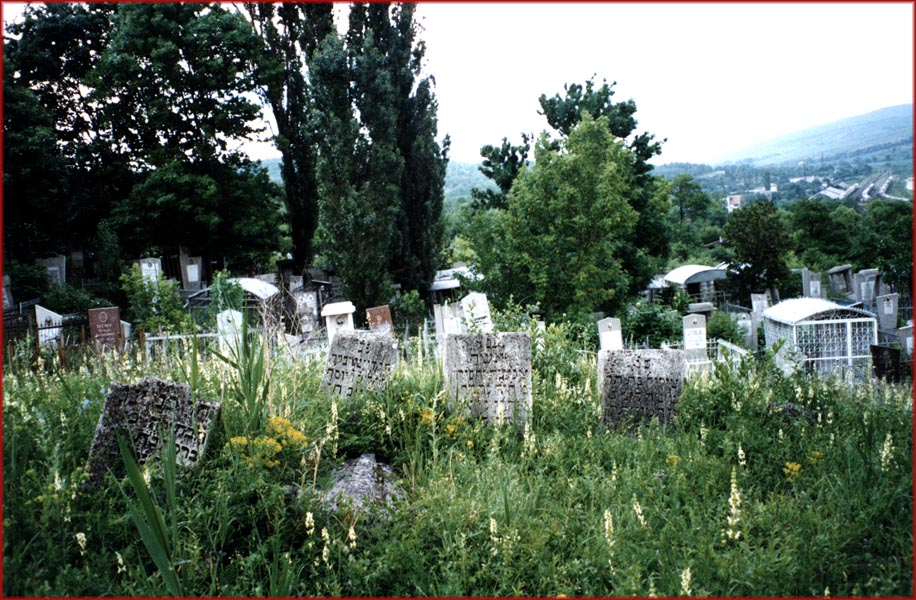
[[748, 327], [151, 269], [477, 313], [759, 303], [886, 307], [811, 284], [866, 284], [610, 334], [361, 482], [143, 414], [338, 317], [885, 362], [840, 280], [306, 309], [905, 337], [105, 327], [638, 385], [694, 328], [379, 319], [492, 372], [48, 323], [229, 330], [57, 269], [358, 360]]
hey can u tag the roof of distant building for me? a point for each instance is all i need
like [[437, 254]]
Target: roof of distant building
[[687, 274]]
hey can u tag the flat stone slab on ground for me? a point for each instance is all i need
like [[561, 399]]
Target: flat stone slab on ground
[[360, 482]]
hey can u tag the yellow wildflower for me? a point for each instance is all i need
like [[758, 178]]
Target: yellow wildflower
[[792, 469], [672, 460]]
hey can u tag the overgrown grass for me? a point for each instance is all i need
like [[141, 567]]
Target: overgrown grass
[[763, 485]]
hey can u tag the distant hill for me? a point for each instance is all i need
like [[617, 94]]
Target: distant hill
[[872, 136]]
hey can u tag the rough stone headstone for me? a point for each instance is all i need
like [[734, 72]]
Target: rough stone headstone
[[811, 284], [144, 412], [905, 337], [151, 268], [840, 280], [886, 307], [379, 319], [105, 327], [359, 483], [885, 362], [8, 302], [306, 309], [492, 373], [694, 328], [57, 269], [638, 385], [194, 270], [866, 286], [49, 324], [229, 330], [748, 326], [477, 313], [338, 317], [610, 334], [358, 360], [759, 303]]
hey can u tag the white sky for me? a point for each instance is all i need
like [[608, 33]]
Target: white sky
[[712, 78]]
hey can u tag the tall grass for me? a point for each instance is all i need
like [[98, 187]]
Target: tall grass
[[764, 484]]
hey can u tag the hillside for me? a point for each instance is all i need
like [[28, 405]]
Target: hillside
[[877, 135]]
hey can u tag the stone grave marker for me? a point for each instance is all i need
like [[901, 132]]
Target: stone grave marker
[[57, 269], [748, 327], [886, 307], [379, 319], [8, 302], [229, 330], [610, 334], [105, 327], [151, 268], [492, 373], [840, 280], [694, 328], [306, 309], [885, 362], [638, 385], [49, 324], [144, 413], [338, 316], [811, 284], [759, 303], [866, 286], [477, 313], [358, 360], [905, 337]]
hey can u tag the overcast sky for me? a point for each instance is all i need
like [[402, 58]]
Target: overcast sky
[[712, 78]]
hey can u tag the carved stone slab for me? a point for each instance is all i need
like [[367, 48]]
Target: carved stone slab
[[492, 371], [358, 360], [638, 385], [144, 412], [360, 482], [105, 327]]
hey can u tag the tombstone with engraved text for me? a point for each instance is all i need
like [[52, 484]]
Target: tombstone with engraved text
[[639, 385], [105, 327], [358, 360], [886, 307], [143, 415], [477, 313], [694, 328], [491, 372]]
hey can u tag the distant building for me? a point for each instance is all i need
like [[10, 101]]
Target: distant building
[[733, 202]]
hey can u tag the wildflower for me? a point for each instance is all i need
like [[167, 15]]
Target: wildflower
[[614, 471], [638, 510], [470, 444], [815, 457], [781, 435], [703, 432], [122, 568], [792, 469], [887, 450], [652, 592], [309, 523], [734, 511], [494, 536], [609, 528], [672, 460], [427, 416], [450, 430], [742, 459], [685, 582], [81, 540], [351, 537], [325, 552]]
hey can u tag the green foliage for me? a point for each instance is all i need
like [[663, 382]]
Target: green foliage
[[27, 281], [558, 244], [721, 326], [408, 307], [250, 380], [760, 244], [501, 165], [886, 241], [67, 299], [225, 294], [651, 323], [153, 306]]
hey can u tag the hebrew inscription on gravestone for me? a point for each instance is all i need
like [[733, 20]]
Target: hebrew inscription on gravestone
[[358, 360], [144, 412], [638, 385], [493, 372]]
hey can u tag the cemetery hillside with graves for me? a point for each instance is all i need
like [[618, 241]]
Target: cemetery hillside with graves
[[583, 378]]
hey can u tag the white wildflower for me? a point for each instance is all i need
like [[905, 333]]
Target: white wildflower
[[742, 459], [685, 582], [733, 533], [887, 452], [81, 540], [309, 523], [638, 510], [351, 537]]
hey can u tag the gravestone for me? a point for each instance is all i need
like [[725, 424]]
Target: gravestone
[[477, 313], [811, 284], [840, 280], [57, 269], [639, 385], [193, 272], [866, 283], [306, 309], [151, 268], [701, 308], [610, 334], [144, 412], [125, 332], [49, 324], [759, 303], [694, 328], [8, 302], [105, 327], [886, 307], [885, 362], [338, 317], [748, 327], [905, 337], [492, 373], [379, 319], [229, 330], [360, 482], [77, 260], [358, 360]]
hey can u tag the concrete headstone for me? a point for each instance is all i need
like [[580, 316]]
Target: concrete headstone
[[694, 329], [144, 413], [229, 330], [57, 269], [492, 373], [358, 360], [49, 324], [638, 385], [477, 313], [610, 334], [886, 307], [105, 327], [811, 284], [151, 269], [379, 319], [905, 337], [759, 303], [885, 362], [338, 317]]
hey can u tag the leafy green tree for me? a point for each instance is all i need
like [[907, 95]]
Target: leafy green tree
[[558, 244], [885, 241], [502, 165], [291, 33], [760, 244], [153, 306]]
